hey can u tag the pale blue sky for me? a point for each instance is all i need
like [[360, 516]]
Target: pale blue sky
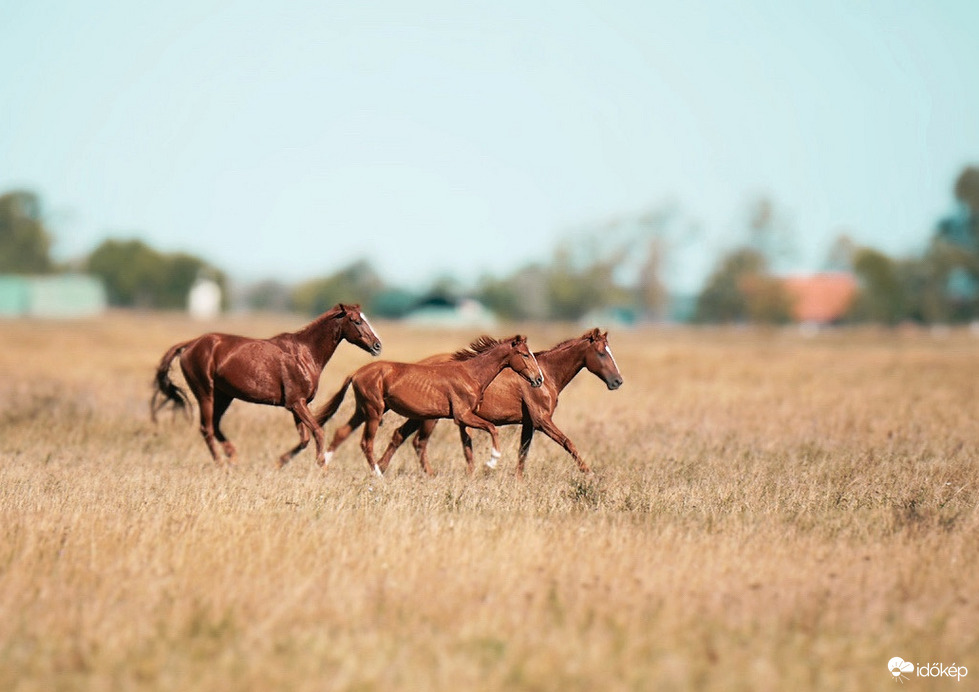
[[287, 139]]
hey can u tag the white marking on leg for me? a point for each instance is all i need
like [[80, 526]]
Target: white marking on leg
[[494, 458], [326, 457], [377, 471]]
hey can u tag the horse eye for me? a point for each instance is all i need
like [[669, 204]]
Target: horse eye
[[601, 355]]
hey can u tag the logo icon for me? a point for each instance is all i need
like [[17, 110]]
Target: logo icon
[[898, 667]]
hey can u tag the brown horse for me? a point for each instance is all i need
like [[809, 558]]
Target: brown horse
[[508, 401], [281, 371], [451, 389]]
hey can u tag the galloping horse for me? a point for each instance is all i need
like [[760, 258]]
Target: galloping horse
[[508, 401], [451, 389], [281, 371]]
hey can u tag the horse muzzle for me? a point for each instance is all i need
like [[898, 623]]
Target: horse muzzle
[[614, 383], [375, 349], [537, 382]]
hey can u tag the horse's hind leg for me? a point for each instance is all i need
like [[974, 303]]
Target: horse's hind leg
[[420, 443], [206, 402], [301, 412], [342, 433], [467, 449], [526, 437], [397, 439], [221, 404], [303, 441], [367, 441], [472, 420]]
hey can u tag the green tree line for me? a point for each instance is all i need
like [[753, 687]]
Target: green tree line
[[592, 272]]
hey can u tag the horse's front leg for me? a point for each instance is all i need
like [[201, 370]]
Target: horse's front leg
[[547, 426], [302, 414]]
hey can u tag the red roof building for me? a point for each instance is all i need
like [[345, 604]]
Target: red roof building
[[821, 298]]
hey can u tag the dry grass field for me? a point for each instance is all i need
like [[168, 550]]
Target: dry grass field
[[769, 512]]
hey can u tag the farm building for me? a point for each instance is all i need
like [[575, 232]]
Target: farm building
[[821, 298], [204, 299], [55, 296]]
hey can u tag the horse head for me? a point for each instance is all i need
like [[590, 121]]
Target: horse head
[[599, 359], [355, 328], [522, 361]]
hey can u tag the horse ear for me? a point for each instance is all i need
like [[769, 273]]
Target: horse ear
[[594, 334], [518, 339]]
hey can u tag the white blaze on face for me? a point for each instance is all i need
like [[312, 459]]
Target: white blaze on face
[[609, 352], [366, 321]]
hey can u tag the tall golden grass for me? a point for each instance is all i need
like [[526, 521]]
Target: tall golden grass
[[768, 512]]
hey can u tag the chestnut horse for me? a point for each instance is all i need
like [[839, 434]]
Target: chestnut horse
[[451, 389], [281, 371], [508, 401]]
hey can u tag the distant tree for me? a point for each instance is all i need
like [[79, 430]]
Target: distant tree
[[519, 296], [841, 253], [136, 275], [268, 295], [881, 292], [967, 189], [574, 290], [131, 271], [392, 303], [355, 283], [653, 296], [766, 299], [951, 263], [740, 289], [769, 232], [25, 243]]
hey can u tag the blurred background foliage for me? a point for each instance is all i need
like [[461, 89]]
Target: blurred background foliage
[[617, 269]]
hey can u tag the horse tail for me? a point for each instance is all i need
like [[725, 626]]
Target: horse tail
[[331, 406], [165, 391]]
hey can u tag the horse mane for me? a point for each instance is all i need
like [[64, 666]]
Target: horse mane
[[325, 317], [568, 342], [563, 344], [334, 311], [480, 345]]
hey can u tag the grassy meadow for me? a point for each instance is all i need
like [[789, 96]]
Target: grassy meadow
[[769, 511]]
